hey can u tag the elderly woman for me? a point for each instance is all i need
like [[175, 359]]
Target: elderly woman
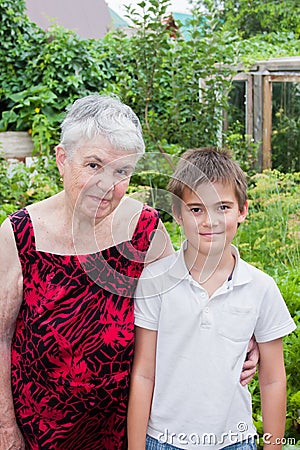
[[69, 265], [68, 269]]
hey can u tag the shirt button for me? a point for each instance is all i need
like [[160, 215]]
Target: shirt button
[[206, 309], [202, 294]]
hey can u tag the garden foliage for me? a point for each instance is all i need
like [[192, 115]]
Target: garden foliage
[[269, 239], [179, 88], [178, 85]]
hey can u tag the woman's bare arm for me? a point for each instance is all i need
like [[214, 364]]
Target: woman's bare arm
[[160, 246], [10, 302], [251, 362], [141, 387]]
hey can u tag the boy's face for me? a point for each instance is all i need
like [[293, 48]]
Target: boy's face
[[210, 217]]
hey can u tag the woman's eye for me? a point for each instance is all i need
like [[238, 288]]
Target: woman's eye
[[93, 165], [122, 172]]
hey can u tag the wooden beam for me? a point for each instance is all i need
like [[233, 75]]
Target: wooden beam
[[257, 117], [285, 78], [248, 79], [249, 106], [267, 123]]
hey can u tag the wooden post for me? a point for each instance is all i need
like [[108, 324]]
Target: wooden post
[[267, 123], [249, 106], [257, 117]]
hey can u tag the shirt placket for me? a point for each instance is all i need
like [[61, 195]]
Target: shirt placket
[[207, 303]]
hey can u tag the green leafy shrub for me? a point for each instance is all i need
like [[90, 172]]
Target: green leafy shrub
[[21, 185], [178, 85], [269, 238], [159, 76]]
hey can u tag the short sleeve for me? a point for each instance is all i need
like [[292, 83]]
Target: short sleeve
[[147, 302], [274, 319]]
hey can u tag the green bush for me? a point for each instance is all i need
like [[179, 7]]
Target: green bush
[[21, 185], [156, 74]]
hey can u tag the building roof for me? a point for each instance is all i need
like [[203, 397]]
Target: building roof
[[183, 17], [184, 20], [117, 21], [285, 64], [90, 19]]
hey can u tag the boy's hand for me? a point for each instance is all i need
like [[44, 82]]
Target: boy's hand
[[250, 364]]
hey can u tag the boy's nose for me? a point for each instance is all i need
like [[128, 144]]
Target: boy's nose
[[209, 220]]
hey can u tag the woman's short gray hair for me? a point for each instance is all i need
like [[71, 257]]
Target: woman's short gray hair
[[102, 115]]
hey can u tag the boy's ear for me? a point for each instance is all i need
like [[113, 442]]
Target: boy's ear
[[60, 159], [177, 216], [243, 213]]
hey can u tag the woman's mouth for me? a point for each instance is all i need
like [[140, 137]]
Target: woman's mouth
[[99, 200]]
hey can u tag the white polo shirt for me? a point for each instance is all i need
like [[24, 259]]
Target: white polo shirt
[[202, 342]]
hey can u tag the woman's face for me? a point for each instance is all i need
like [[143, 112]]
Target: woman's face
[[96, 177]]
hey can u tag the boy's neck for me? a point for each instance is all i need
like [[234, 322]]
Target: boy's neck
[[210, 271]]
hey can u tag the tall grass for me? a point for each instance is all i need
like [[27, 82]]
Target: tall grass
[[270, 237]]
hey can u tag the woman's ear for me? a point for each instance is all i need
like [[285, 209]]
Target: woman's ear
[[60, 159], [243, 213]]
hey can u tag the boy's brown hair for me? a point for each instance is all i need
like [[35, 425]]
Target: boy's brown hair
[[203, 165]]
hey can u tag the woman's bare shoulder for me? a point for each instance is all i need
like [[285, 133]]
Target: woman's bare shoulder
[[131, 202], [9, 259], [11, 280], [46, 207]]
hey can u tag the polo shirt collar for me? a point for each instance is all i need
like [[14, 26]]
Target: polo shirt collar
[[178, 269], [241, 273]]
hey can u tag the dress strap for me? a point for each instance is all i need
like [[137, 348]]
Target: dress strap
[[146, 226], [23, 231]]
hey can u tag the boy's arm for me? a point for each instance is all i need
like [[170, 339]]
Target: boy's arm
[[272, 380], [141, 387]]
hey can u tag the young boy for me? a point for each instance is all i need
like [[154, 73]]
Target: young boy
[[195, 313]]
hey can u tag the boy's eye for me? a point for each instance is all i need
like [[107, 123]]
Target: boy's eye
[[196, 210], [223, 207]]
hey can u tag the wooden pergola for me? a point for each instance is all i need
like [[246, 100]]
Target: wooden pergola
[[259, 81]]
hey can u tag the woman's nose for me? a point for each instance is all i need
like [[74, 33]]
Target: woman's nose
[[105, 182]]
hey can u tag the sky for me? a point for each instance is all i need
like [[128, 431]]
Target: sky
[[182, 6]]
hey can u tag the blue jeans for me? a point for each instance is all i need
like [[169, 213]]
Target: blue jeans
[[154, 444], [249, 444]]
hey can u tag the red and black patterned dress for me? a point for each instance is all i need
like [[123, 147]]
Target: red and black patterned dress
[[73, 345]]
